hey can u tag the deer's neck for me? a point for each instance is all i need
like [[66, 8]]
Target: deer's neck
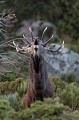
[[36, 61], [35, 64], [37, 69]]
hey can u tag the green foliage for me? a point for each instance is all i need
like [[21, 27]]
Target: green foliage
[[70, 77], [58, 85], [59, 108], [24, 69], [68, 93], [73, 47], [14, 101], [50, 109], [70, 96], [4, 87], [10, 87], [22, 88], [40, 111], [64, 14], [9, 76], [4, 107]]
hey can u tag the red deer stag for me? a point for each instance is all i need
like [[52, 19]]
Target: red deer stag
[[39, 86]]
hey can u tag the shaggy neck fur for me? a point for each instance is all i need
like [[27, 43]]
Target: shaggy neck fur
[[36, 61], [36, 76], [39, 86]]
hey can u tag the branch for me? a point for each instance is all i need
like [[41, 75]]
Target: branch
[[7, 20]]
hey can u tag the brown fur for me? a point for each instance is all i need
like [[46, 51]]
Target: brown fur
[[39, 86]]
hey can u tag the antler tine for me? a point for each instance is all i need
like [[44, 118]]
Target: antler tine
[[20, 50], [31, 34], [43, 33], [59, 49], [49, 40], [16, 46], [26, 39]]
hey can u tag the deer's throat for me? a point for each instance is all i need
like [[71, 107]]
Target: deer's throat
[[36, 61]]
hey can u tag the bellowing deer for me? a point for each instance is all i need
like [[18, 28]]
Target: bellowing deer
[[39, 86]]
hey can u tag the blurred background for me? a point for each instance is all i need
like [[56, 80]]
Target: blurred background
[[62, 19], [63, 16]]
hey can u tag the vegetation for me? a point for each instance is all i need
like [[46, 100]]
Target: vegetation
[[65, 104], [63, 14]]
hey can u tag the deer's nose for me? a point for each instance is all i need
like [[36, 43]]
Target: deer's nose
[[36, 48]]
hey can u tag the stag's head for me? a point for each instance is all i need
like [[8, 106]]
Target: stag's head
[[37, 46]]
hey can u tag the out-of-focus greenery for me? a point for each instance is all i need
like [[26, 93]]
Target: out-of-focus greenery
[[73, 47], [70, 78], [9, 76], [70, 95], [64, 106], [64, 14], [16, 85], [64, 90]]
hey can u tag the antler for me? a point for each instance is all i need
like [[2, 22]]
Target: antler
[[20, 50], [59, 50], [31, 34], [48, 40], [43, 33], [26, 39], [44, 44]]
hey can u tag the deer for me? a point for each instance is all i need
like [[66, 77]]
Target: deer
[[39, 86]]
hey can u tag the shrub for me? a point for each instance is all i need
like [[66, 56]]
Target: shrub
[[22, 88], [68, 93], [50, 109], [58, 85], [43, 110], [10, 87], [70, 77], [4, 107], [14, 101], [9, 76], [70, 96]]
